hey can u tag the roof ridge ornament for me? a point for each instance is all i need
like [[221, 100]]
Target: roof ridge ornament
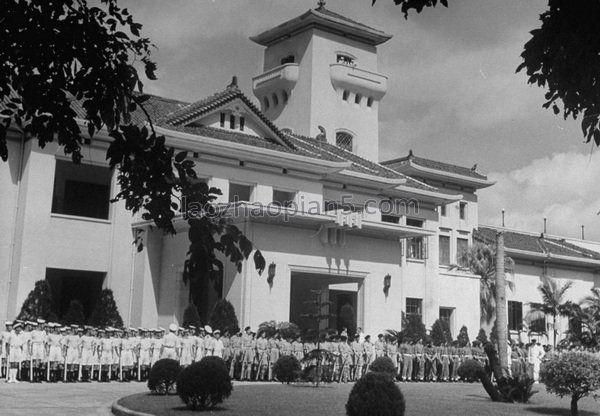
[[234, 83], [320, 4]]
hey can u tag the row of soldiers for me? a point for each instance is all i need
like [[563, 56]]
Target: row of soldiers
[[39, 351]]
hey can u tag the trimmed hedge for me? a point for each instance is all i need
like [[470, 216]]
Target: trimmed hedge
[[163, 375], [375, 394], [383, 365], [287, 369], [204, 384]]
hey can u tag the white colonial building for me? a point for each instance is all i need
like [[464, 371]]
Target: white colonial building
[[300, 177]]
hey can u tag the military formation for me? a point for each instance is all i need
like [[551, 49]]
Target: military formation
[[40, 351]]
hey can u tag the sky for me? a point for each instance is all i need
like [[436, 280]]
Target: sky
[[453, 94]]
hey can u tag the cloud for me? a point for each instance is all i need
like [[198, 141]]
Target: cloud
[[563, 188]]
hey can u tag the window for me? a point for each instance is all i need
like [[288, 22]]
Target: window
[[370, 102], [444, 250], [443, 210], [394, 219], [283, 198], [345, 95], [239, 192], [266, 103], [357, 99], [343, 140], [447, 314], [290, 59], [412, 222], [284, 94], [515, 315], [275, 100], [81, 190], [416, 248], [232, 122], [462, 210], [462, 245], [222, 120], [242, 122], [342, 58], [414, 306]]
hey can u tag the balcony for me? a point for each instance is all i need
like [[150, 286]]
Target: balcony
[[281, 78], [360, 81]]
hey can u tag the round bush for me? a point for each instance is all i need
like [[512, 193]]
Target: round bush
[[383, 365], [204, 384], [287, 369], [575, 374], [375, 394], [163, 375], [469, 370]]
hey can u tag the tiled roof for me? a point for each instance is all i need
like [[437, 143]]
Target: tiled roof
[[198, 108], [359, 164], [535, 244], [433, 164]]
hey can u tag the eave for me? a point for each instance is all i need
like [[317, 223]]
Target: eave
[[413, 169]]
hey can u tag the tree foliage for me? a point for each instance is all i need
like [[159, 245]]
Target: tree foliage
[[480, 259], [38, 303], [416, 5], [106, 312], [563, 57], [440, 332], [482, 336], [287, 369], [553, 300], [463, 337], [55, 55], [163, 375], [574, 374], [223, 317], [414, 330], [204, 384], [191, 316]]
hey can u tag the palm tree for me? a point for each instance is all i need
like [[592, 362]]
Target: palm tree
[[552, 301], [480, 259], [593, 301]]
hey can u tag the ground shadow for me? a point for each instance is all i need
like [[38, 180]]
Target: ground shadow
[[187, 409], [557, 411]]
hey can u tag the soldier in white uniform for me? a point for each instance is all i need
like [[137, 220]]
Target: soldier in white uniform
[[157, 343], [87, 346], [70, 343], [105, 349], [54, 351], [144, 351], [26, 358], [37, 349], [170, 343], [16, 344], [4, 335]]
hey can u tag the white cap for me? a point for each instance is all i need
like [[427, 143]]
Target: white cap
[[173, 327], [208, 329]]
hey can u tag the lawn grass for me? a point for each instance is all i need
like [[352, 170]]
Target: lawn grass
[[421, 399]]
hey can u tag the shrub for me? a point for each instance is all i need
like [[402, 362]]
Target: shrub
[[440, 332], [383, 365], [463, 337], [163, 375], [482, 337], [38, 303], [223, 317], [517, 389], [287, 369], [469, 370], [414, 329], [106, 312], [204, 384], [375, 394], [574, 374]]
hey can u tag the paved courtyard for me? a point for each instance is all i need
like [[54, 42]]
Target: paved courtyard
[[275, 399]]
